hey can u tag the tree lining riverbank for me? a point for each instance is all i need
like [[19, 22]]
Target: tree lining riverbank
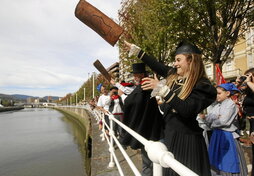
[[14, 108]]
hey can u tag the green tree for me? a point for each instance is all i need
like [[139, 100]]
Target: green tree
[[6, 102], [213, 25], [88, 85], [146, 24]]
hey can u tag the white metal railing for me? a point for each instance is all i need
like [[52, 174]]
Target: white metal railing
[[156, 151], [111, 149]]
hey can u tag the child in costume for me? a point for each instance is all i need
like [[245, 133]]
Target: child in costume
[[225, 153]]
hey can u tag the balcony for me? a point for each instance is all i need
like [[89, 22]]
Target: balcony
[[231, 73], [227, 74]]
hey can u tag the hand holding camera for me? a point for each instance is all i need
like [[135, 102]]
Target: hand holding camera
[[245, 78], [248, 77], [241, 79], [246, 81]]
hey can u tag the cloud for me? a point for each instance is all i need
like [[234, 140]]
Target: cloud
[[44, 47]]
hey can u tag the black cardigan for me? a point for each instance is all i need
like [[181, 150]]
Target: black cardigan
[[181, 114], [248, 102]]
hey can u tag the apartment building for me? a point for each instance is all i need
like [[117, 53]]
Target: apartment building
[[243, 58]]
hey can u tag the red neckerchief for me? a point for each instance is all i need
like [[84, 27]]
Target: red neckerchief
[[234, 98], [114, 97], [127, 84]]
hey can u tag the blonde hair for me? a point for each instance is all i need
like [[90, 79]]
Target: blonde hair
[[196, 72]]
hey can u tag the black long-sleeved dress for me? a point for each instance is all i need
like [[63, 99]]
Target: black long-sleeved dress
[[248, 108], [141, 114], [182, 134]]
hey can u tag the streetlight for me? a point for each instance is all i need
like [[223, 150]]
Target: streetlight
[[76, 99], [93, 84], [84, 94], [88, 82]]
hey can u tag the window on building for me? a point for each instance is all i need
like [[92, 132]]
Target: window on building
[[252, 35], [228, 66], [209, 70], [250, 60]]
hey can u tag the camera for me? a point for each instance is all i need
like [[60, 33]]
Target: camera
[[242, 78]]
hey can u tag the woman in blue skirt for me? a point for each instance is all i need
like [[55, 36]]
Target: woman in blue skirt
[[225, 153]]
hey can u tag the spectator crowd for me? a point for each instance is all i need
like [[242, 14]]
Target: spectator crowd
[[202, 124]]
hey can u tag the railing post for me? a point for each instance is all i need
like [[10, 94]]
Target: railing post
[[111, 147], [98, 118], [103, 126], [157, 170]]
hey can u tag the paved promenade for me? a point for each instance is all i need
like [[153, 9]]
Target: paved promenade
[[248, 157], [101, 157]]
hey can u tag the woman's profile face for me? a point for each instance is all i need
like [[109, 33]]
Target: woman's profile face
[[182, 64]]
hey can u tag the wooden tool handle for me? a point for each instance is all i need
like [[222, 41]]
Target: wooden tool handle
[[102, 70]]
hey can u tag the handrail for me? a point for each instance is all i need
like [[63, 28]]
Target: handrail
[[129, 161], [156, 151]]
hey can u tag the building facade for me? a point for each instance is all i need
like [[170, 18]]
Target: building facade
[[243, 58]]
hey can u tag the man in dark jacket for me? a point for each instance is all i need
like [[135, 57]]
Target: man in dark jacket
[[142, 115]]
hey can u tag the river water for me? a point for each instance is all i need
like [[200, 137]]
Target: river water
[[40, 142]]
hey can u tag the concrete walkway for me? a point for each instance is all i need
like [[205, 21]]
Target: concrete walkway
[[101, 157], [248, 157]]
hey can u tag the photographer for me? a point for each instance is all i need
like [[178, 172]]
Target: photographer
[[250, 78], [116, 108], [248, 104]]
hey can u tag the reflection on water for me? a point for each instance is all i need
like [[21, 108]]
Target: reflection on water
[[79, 133], [41, 142]]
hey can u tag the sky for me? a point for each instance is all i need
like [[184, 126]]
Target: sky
[[45, 50]]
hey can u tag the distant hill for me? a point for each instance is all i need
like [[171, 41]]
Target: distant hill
[[4, 96], [24, 97], [19, 98]]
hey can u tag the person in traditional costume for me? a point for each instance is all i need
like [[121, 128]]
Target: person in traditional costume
[[186, 91], [248, 106], [116, 108], [142, 115], [225, 152]]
